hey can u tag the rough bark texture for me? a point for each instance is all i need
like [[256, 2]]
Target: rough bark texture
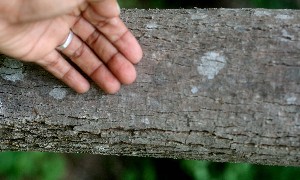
[[214, 84]]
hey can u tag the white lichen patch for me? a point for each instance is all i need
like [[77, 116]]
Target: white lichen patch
[[286, 36], [291, 99], [102, 148], [1, 108], [211, 64], [262, 13], [198, 16], [194, 89], [12, 70], [151, 25], [58, 93], [145, 121], [284, 17], [169, 64]]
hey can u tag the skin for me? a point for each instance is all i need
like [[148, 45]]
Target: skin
[[102, 47]]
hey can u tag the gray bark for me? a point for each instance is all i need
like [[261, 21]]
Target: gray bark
[[214, 84]]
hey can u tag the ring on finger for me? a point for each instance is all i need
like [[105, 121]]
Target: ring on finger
[[67, 42]]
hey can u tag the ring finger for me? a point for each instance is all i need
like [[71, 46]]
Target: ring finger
[[90, 64]]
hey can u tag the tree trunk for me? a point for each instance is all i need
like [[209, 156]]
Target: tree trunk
[[214, 84]]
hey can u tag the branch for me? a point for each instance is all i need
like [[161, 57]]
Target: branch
[[214, 84]]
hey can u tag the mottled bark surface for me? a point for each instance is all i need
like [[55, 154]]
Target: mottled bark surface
[[217, 84]]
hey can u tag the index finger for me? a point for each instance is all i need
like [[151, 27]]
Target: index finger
[[105, 8]]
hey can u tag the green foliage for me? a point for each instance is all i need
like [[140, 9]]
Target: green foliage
[[276, 172], [275, 4], [142, 3], [272, 4], [199, 170], [129, 3], [142, 170], [196, 169], [239, 172], [31, 165]]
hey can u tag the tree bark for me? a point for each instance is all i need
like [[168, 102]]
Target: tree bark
[[215, 84]]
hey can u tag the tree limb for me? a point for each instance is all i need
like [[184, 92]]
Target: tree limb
[[214, 84]]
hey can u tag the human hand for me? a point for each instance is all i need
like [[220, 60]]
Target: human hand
[[102, 46]]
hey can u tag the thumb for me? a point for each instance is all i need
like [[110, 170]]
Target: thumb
[[32, 10]]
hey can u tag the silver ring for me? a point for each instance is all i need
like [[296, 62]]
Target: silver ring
[[67, 42]]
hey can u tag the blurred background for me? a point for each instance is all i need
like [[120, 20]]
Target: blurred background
[[37, 165], [273, 4]]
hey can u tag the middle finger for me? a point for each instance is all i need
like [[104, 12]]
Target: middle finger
[[86, 60], [121, 67]]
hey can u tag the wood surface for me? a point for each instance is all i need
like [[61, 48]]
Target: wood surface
[[214, 84]]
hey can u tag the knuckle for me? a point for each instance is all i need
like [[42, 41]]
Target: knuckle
[[79, 51], [93, 38]]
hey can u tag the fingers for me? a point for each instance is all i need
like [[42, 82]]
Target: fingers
[[60, 68], [105, 8], [115, 31], [115, 61], [105, 51], [85, 59], [122, 39]]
